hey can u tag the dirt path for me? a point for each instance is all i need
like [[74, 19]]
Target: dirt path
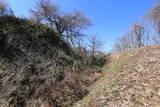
[[132, 81]]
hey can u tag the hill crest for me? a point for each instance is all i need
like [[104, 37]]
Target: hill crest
[[131, 80]]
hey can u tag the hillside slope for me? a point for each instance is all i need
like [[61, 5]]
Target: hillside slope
[[132, 80], [37, 67]]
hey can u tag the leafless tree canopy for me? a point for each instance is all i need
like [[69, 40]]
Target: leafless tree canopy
[[69, 25], [138, 32], [155, 17], [5, 10], [94, 44], [135, 38]]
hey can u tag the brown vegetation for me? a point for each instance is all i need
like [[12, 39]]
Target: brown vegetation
[[131, 80], [38, 68]]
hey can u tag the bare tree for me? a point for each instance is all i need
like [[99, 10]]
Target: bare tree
[[67, 25], [138, 31], [94, 44], [135, 38], [154, 16], [5, 9], [74, 24], [123, 43], [156, 39], [118, 47], [46, 11]]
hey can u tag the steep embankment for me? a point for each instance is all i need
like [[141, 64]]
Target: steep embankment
[[132, 80], [37, 67]]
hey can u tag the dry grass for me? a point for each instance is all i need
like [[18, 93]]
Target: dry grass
[[131, 80], [98, 89]]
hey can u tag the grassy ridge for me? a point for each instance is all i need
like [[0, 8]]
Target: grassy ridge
[[113, 68]]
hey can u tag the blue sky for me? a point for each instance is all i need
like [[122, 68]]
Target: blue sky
[[111, 18]]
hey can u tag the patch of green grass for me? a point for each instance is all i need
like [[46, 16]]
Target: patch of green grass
[[158, 99], [115, 81], [101, 86], [124, 73]]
